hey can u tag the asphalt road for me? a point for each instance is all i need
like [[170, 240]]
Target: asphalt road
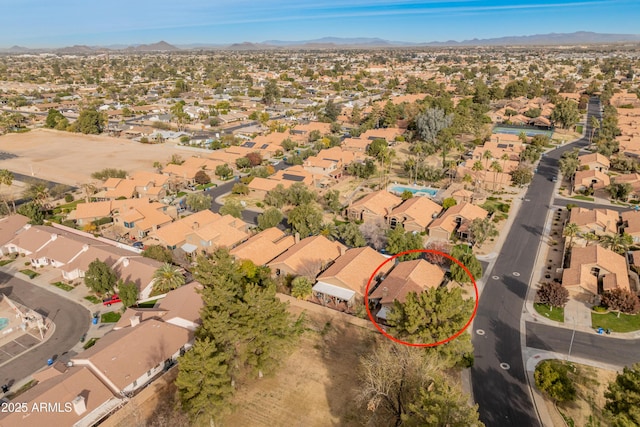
[[498, 376], [599, 348], [249, 217], [71, 319]]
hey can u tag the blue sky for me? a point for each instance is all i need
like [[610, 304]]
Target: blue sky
[[39, 23]]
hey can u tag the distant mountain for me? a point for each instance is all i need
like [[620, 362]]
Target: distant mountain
[[577, 38], [339, 41], [161, 46], [249, 46], [76, 49]]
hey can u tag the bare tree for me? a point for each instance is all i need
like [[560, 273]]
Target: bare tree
[[375, 233]]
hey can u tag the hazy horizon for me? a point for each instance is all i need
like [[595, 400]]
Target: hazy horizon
[[34, 24]]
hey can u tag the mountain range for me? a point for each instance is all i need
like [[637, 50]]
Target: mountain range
[[551, 39]]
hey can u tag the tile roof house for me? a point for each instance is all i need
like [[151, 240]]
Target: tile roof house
[[127, 359], [590, 179], [264, 246], [225, 231], [182, 306], [408, 276], [77, 267], [138, 270], [10, 226], [175, 234], [137, 220], [378, 204], [346, 279], [597, 221], [307, 258], [595, 161], [631, 224], [453, 220], [595, 269], [415, 214], [75, 395], [259, 187], [30, 239], [60, 251]]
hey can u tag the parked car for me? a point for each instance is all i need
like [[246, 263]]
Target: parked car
[[138, 245], [112, 300]]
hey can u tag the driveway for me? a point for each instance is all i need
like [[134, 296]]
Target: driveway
[[498, 376], [71, 320]]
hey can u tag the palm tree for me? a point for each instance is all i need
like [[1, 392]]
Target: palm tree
[[477, 167], [6, 178], [495, 166], [504, 159], [590, 237], [167, 278], [571, 230], [618, 243], [487, 155]]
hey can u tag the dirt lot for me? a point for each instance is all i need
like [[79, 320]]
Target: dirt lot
[[314, 387], [70, 158], [586, 410]]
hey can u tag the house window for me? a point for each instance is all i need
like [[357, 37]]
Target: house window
[[595, 271], [277, 271], [128, 224], [393, 223]]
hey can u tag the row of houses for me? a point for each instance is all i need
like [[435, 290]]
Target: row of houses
[[71, 252], [98, 381]]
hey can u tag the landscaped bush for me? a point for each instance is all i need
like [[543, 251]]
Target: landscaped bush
[[600, 309]]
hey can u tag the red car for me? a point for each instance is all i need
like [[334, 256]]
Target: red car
[[113, 300]]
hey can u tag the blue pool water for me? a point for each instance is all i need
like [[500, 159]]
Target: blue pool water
[[3, 322], [421, 191]]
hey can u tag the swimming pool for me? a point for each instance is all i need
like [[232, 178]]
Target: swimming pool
[[420, 191], [3, 322], [527, 131]]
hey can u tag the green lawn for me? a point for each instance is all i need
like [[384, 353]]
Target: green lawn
[[556, 314], [624, 323], [63, 286], [93, 299], [148, 304], [585, 198], [5, 262], [205, 186], [70, 206], [579, 128], [30, 273], [110, 317]]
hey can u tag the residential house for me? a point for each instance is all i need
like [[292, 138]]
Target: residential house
[[10, 226], [590, 179], [358, 145], [346, 279], [174, 235], [30, 239], [631, 224], [138, 270], [137, 220], [182, 306], [77, 267], [595, 270], [456, 219], [263, 246], [72, 395], [127, 359], [594, 161], [375, 205], [408, 276], [59, 251], [597, 221], [225, 231], [259, 187], [415, 214], [307, 257]]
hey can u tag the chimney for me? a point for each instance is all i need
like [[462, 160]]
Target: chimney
[[195, 225], [342, 250], [296, 238], [135, 321], [79, 405], [125, 262]]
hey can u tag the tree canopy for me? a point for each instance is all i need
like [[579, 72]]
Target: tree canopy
[[623, 397], [99, 277]]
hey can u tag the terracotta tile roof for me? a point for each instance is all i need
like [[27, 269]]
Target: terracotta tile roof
[[309, 255], [176, 232], [92, 210], [585, 178], [183, 303], [380, 202], [264, 246], [422, 210], [136, 269], [225, 231], [126, 354], [612, 266], [10, 225], [63, 249], [408, 276], [62, 389], [594, 157], [143, 314], [466, 211], [600, 220], [353, 269], [356, 143], [631, 220], [105, 253], [33, 238]]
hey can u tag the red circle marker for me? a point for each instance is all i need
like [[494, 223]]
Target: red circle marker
[[394, 339]]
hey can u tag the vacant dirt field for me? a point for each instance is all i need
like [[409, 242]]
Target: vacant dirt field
[[315, 386], [70, 158]]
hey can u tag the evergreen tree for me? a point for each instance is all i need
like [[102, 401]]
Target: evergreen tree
[[90, 121], [552, 377], [128, 293], [399, 241], [99, 277], [269, 218], [464, 254], [305, 219], [623, 397], [204, 382]]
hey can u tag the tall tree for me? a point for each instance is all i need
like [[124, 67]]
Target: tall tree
[[305, 219], [90, 121], [271, 93], [464, 254], [99, 277], [197, 202], [571, 231], [269, 218], [595, 125], [6, 178], [431, 122], [349, 234], [167, 278], [552, 377], [482, 229], [621, 300], [204, 382], [623, 397], [231, 207], [565, 113], [128, 293], [447, 312], [301, 287], [618, 243], [400, 241]]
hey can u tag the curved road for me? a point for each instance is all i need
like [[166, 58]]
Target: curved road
[[498, 376], [72, 320]]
